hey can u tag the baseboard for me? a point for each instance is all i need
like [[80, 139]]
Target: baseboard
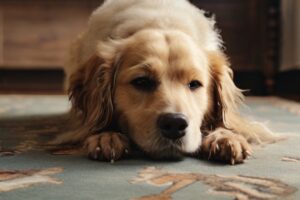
[[288, 83], [253, 82], [31, 81]]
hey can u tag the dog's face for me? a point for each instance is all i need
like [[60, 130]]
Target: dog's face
[[158, 85], [161, 93]]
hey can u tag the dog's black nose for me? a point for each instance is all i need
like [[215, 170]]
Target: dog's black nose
[[172, 125]]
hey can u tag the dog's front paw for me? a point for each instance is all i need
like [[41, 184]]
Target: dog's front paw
[[107, 146], [225, 146]]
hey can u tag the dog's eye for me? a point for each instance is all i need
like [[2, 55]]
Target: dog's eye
[[144, 83], [194, 84]]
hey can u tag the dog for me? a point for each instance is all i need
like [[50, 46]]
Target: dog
[[153, 74]]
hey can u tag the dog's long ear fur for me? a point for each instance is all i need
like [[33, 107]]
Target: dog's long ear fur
[[91, 91], [229, 98]]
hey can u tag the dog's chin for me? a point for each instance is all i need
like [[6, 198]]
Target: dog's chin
[[171, 153], [166, 150]]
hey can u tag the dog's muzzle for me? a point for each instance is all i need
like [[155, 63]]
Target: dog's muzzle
[[172, 125]]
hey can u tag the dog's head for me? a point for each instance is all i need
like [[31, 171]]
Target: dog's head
[[159, 86]]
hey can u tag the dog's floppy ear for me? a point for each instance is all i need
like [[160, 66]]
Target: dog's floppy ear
[[91, 88], [228, 97]]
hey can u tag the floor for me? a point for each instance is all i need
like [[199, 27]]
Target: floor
[[29, 169]]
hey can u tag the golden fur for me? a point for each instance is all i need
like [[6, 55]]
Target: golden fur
[[171, 43]]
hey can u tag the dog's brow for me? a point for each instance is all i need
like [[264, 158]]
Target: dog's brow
[[184, 74], [146, 65], [143, 66]]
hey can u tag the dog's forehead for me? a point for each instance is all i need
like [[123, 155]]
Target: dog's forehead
[[168, 49], [184, 52]]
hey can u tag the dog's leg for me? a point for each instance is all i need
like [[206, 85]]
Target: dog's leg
[[107, 146], [225, 146]]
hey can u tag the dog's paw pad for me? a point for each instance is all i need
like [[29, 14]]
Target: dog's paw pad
[[108, 146]]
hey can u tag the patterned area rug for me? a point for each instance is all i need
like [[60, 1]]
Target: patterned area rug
[[28, 170]]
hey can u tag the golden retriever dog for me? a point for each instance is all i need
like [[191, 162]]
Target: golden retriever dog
[[152, 74]]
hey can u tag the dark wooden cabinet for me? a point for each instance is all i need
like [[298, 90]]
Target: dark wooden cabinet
[[250, 30], [238, 22]]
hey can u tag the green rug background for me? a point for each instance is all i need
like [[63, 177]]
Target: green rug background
[[27, 119]]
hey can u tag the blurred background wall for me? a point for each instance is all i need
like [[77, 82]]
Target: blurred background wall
[[290, 12], [258, 35]]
